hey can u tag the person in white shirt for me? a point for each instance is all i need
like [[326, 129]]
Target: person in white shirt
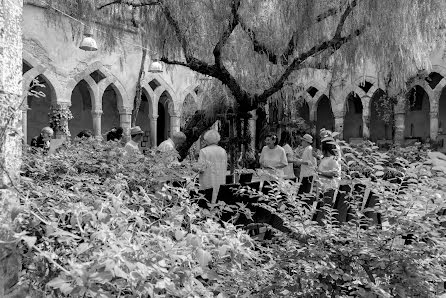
[[213, 162], [285, 141], [307, 164], [132, 146], [273, 157], [329, 172], [172, 143]]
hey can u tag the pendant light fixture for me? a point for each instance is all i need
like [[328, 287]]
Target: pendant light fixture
[[88, 42], [156, 66]]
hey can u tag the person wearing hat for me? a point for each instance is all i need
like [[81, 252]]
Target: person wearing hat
[[132, 146], [307, 164]]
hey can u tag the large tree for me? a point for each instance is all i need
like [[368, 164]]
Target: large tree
[[254, 46]]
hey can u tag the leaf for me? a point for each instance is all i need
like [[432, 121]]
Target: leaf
[[203, 257], [179, 235], [29, 240], [83, 247], [379, 173], [378, 167], [56, 282]]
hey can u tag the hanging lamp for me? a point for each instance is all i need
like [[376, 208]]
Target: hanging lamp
[[156, 66], [88, 42]]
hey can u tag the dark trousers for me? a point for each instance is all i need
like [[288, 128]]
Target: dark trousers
[[305, 185]]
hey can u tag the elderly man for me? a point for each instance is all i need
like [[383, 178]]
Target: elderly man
[[132, 146], [172, 143], [213, 162], [43, 141]]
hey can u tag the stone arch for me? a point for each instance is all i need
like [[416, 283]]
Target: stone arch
[[166, 111], [37, 109], [191, 90], [353, 124], [164, 86], [39, 70], [324, 115], [122, 95], [380, 127], [371, 79], [433, 100], [417, 120]]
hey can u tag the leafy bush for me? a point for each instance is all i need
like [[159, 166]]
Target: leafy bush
[[96, 223]]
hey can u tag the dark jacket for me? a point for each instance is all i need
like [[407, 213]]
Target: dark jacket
[[38, 142]]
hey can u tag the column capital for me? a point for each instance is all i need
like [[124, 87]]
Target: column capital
[[61, 105], [96, 113], [153, 117], [125, 110], [434, 114]]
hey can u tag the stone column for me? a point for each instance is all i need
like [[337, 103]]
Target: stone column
[[313, 119], [366, 126], [125, 120], [153, 130], [175, 123], [97, 115], [252, 129], [11, 49], [400, 127], [434, 125], [339, 126]]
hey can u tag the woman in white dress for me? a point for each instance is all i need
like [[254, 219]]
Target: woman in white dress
[[329, 172], [285, 143], [273, 157], [213, 162]]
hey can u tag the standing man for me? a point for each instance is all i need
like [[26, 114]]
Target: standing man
[[43, 141], [172, 143], [307, 164], [132, 146]]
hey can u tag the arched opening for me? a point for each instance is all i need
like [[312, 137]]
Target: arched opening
[[303, 110], [353, 117], [81, 106], [381, 117], [163, 121], [324, 117], [38, 109], [188, 111], [442, 119], [417, 123], [110, 112]]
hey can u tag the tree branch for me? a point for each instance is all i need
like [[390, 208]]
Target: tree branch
[[130, 3], [289, 51], [226, 33], [176, 27], [335, 43]]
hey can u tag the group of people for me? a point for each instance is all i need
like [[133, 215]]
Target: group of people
[[280, 160], [277, 159]]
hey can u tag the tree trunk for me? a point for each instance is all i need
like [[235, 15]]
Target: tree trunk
[[137, 101], [196, 126]]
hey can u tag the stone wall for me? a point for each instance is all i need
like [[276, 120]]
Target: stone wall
[[10, 138]]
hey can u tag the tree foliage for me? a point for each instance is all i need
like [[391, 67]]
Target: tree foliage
[[254, 46]]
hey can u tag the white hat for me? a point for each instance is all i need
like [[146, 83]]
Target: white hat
[[307, 138], [136, 131]]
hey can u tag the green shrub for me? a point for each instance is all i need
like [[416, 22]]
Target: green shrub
[[96, 223]]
